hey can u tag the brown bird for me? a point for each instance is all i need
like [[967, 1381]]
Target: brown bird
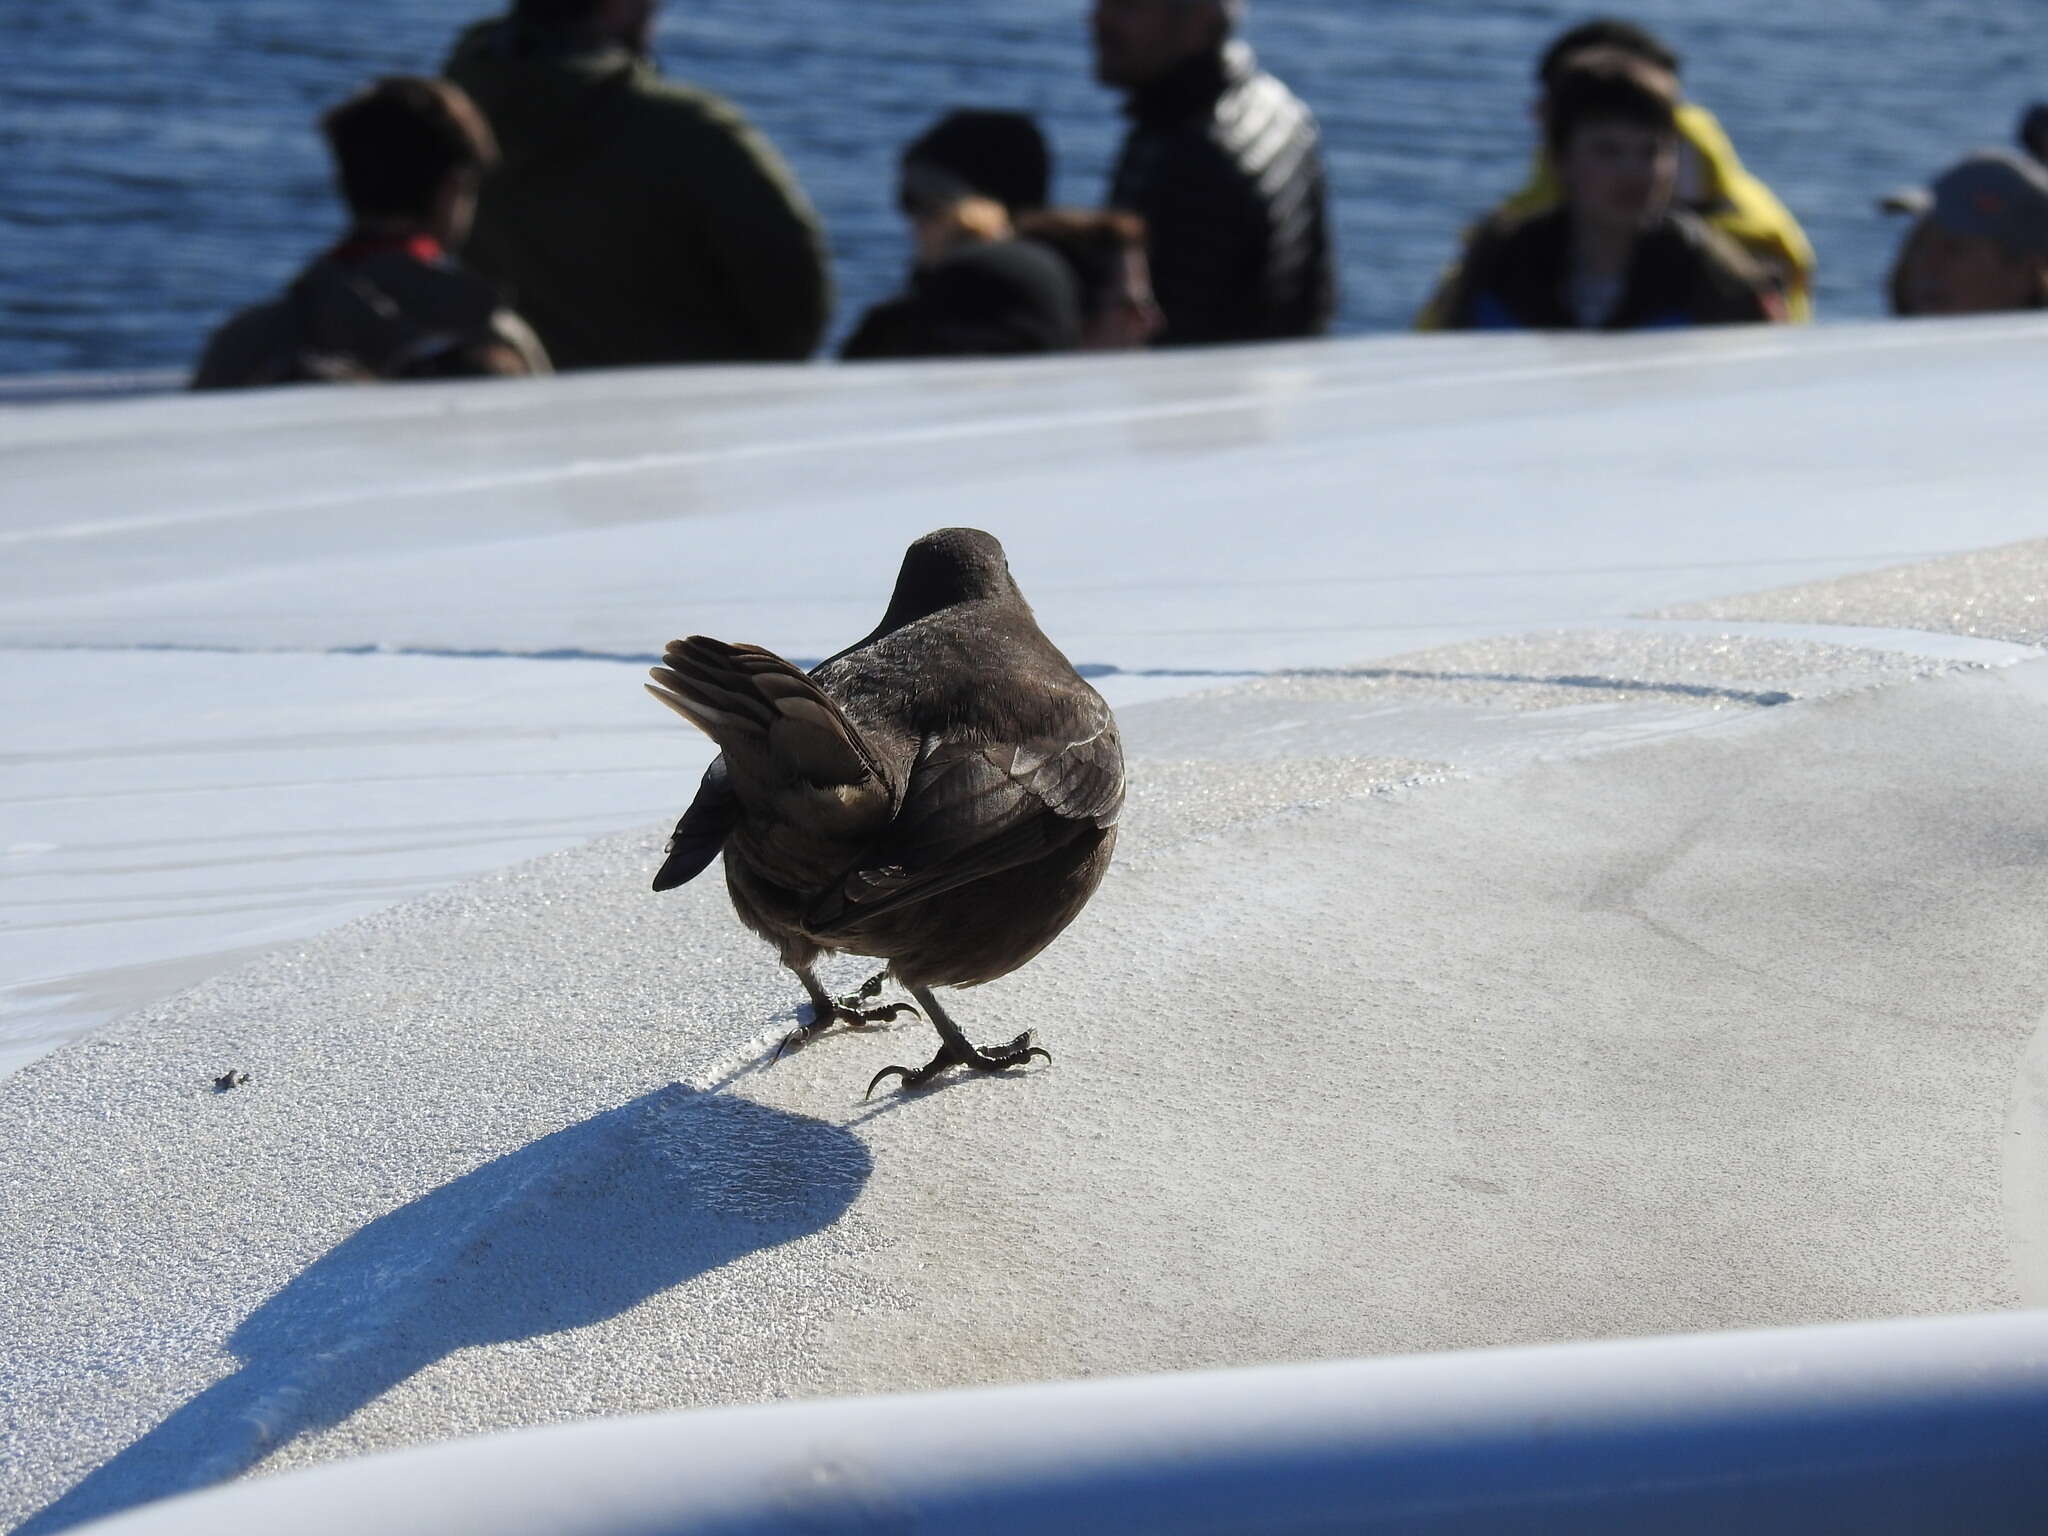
[[943, 794]]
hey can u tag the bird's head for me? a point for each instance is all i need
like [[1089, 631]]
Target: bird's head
[[954, 565]]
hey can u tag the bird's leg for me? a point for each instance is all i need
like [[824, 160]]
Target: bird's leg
[[869, 991], [848, 1010], [958, 1050]]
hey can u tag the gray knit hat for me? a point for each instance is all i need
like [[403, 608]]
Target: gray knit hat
[[1994, 192]]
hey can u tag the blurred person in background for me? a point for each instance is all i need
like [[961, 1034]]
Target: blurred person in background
[[1224, 165], [1618, 253], [1980, 244], [971, 156], [1105, 250], [390, 301], [1711, 180], [2033, 131], [988, 298], [637, 220], [961, 184]]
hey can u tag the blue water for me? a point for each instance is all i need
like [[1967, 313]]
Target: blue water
[[158, 167]]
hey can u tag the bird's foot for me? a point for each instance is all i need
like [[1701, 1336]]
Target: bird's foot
[[850, 1010], [857, 1009], [996, 1058]]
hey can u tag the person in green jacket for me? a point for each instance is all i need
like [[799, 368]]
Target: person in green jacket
[[635, 219]]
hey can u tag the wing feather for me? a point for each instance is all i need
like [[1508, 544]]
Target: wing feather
[[703, 830], [973, 810]]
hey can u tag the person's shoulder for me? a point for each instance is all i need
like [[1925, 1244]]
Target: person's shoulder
[[1179, 168], [681, 106], [1511, 231], [1261, 98], [443, 299], [1259, 123], [252, 321], [1178, 135], [1508, 254], [672, 128], [510, 330], [1204, 157], [1710, 246], [245, 349], [475, 47], [1001, 297], [894, 328], [1703, 131], [440, 293], [1737, 285]]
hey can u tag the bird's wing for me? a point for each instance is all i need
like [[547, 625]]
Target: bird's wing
[[974, 810], [702, 831], [762, 710]]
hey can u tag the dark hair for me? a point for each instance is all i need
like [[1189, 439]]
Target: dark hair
[[397, 142], [1092, 242], [1607, 86], [1605, 32], [1000, 299], [554, 13], [2033, 130], [999, 155]]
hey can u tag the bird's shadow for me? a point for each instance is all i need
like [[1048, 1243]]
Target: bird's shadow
[[569, 1230]]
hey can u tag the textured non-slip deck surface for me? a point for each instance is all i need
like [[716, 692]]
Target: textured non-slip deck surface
[[1482, 963], [1714, 1031]]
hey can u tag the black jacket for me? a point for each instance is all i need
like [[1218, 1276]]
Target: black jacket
[[384, 312], [1226, 166], [1005, 299], [1683, 273]]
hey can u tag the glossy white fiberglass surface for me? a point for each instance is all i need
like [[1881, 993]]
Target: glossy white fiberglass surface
[[173, 795]]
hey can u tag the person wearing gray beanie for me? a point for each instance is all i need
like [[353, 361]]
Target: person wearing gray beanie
[[1224, 164], [1980, 245]]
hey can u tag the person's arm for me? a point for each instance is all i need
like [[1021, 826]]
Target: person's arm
[[759, 234], [523, 354], [212, 371], [246, 350], [1539, 192], [1735, 290], [1465, 299], [1742, 207], [890, 329], [1446, 302], [1449, 306]]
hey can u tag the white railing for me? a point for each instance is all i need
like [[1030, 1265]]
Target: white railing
[[1922, 1426]]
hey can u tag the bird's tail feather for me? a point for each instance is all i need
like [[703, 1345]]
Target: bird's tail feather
[[760, 708]]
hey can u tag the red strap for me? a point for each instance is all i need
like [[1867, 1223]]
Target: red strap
[[357, 249]]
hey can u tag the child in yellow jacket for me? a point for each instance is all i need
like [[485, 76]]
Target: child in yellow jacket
[[1712, 180]]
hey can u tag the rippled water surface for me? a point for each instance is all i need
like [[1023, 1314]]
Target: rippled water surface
[[158, 165]]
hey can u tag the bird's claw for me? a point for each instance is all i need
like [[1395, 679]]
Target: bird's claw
[[846, 1011], [998, 1059], [874, 1018], [902, 1072]]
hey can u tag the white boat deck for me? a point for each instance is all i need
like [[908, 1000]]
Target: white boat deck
[[1487, 963], [202, 765]]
